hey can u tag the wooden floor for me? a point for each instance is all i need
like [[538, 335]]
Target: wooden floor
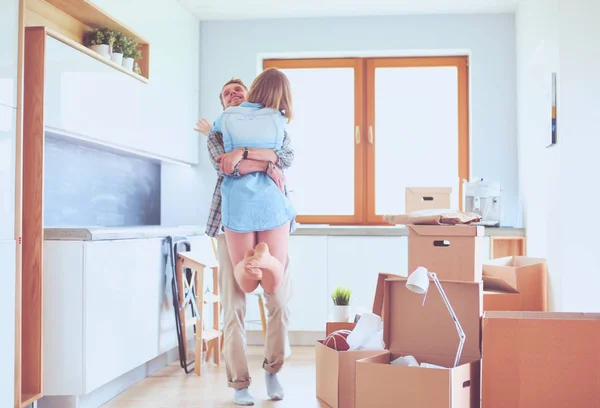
[[172, 388]]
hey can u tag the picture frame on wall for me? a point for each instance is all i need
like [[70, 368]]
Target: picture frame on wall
[[554, 132]]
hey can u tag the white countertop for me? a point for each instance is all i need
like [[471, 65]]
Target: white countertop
[[158, 231]]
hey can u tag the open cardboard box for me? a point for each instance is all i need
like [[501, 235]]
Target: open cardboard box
[[428, 333], [453, 252], [540, 359], [335, 370], [426, 198], [515, 283]]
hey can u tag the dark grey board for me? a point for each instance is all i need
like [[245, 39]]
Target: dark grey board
[[85, 186]]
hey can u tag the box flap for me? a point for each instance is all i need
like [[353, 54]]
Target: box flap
[[447, 230], [429, 190], [380, 292], [429, 328], [540, 315], [491, 283], [514, 261]]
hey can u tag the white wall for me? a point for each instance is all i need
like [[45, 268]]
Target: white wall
[[9, 11], [553, 181], [173, 34], [232, 49]]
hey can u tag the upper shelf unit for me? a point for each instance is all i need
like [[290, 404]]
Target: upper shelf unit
[[68, 20]]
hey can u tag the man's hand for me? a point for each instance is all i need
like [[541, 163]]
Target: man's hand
[[277, 176], [202, 126], [228, 161]]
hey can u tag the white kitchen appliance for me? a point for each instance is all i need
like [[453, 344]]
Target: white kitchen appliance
[[483, 197]]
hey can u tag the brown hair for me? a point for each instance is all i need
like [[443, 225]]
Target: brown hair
[[272, 90], [231, 81]]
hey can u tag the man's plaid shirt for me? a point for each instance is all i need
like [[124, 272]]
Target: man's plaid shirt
[[215, 149]]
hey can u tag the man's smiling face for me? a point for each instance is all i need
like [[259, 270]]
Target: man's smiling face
[[233, 94]]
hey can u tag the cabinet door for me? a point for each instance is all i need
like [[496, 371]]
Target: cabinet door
[[7, 170], [9, 34], [123, 292], [63, 324], [355, 262], [308, 269], [7, 322]]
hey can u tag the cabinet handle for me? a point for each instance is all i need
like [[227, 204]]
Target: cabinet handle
[[371, 134], [357, 135]]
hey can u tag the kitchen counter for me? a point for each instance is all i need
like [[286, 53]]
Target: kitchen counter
[[159, 231], [390, 230], [111, 233]]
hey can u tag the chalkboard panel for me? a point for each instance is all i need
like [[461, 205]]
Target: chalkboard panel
[[86, 186]]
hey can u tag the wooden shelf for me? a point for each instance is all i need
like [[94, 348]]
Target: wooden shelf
[[30, 399], [68, 20], [93, 54]]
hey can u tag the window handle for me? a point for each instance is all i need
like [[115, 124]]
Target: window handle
[[371, 134], [357, 134]]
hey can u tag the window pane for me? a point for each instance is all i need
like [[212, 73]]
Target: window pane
[[416, 121], [321, 179]]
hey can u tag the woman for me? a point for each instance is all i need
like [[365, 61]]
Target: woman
[[256, 213]]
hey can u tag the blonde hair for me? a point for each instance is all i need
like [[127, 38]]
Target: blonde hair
[[272, 90]]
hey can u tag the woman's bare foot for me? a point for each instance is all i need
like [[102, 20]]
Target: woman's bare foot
[[253, 272], [260, 257], [272, 270]]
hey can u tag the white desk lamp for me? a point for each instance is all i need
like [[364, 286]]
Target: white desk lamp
[[418, 282]]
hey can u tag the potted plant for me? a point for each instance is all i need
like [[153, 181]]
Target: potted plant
[[99, 40], [130, 53], [118, 47], [341, 301]]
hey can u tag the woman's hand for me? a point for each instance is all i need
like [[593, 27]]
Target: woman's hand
[[202, 126], [277, 176], [228, 161]]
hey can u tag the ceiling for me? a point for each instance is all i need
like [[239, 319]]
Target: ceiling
[[255, 9]]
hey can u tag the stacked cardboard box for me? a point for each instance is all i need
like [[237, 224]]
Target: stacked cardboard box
[[424, 329]]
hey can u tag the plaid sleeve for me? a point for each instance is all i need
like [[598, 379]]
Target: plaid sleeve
[[216, 150], [285, 155]]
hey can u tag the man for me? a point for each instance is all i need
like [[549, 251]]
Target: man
[[233, 299]]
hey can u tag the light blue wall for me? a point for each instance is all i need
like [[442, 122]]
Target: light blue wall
[[232, 49]]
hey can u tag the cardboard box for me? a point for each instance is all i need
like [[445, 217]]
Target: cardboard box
[[451, 251], [540, 359], [335, 370], [428, 333], [515, 283], [427, 198]]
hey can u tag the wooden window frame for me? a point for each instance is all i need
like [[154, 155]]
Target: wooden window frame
[[365, 133]]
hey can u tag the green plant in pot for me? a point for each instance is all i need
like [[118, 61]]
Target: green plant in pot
[[341, 303], [130, 53], [118, 47], [99, 40]]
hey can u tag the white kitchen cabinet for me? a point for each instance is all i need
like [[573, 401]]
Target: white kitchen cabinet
[[9, 35], [152, 119], [356, 261], [308, 266], [308, 305], [7, 322], [107, 310], [7, 171]]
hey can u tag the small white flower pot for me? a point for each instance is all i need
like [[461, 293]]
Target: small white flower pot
[[102, 49], [128, 63], [341, 313], [117, 57]]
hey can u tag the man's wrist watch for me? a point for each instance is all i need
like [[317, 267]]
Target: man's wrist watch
[[245, 155]]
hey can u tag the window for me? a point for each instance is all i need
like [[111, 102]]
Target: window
[[367, 128]]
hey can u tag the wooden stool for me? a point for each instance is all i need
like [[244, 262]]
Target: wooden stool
[[196, 285]]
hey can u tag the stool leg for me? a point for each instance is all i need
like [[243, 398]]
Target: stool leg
[[263, 319]]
